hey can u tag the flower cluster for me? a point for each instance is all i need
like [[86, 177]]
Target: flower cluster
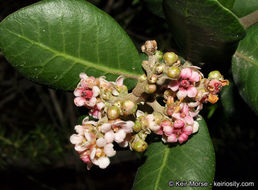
[[121, 120]]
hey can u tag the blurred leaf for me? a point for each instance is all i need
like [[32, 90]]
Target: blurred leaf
[[227, 3], [192, 161], [52, 41], [244, 7], [227, 99], [245, 67], [204, 30], [155, 6]]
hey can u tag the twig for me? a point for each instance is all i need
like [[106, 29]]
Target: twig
[[57, 107], [249, 20], [156, 106]]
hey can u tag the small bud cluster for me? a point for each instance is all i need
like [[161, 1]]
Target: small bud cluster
[[181, 86]]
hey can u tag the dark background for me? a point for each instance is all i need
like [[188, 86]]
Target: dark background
[[36, 122]]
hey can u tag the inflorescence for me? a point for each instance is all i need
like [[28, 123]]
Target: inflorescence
[[121, 116]]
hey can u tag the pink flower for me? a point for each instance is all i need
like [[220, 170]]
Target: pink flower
[[92, 148], [117, 131], [185, 84], [86, 93]]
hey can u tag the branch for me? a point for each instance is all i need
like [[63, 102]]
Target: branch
[[249, 20]]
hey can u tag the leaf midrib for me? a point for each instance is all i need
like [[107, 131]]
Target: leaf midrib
[[240, 55], [161, 167], [76, 59]]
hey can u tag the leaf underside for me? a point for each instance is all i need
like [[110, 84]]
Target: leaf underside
[[52, 41], [245, 67], [192, 161]]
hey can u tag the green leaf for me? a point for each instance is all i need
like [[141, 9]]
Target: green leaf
[[204, 30], [245, 67], [192, 161], [52, 41], [227, 3], [244, 7], [155, 6], [227, 99]]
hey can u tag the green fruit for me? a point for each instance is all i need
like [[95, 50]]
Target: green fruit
[[159, 68], [139, 145], [128, 107], [150, 88], [215, 75], [170, 58], [159, 55], [113, 112], [137, 126], [173, 72], [142, 78]]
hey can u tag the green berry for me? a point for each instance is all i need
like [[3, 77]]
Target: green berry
[[215, 75], [113, 112], [159, 68], [173, 72], [150, 88], [128, 107], [137, 126], [139, 145], [153, 79], [142, 78], [159, 55], [170, 58]]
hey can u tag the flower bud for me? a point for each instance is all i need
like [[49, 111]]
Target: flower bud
[[150, 88], [139, 145], [113, 112], [128, 107], [159, 68], [159, 55], [215, 75], [153, 79], [173, 72], [170, 58], [137, 126], [157, 117], [142, 78]]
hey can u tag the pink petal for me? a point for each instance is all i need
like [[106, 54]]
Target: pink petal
[[173, 85], [109, 136], [101, 142], [191, 92], [92, 102], [78, 92], [109, 150], [120, 136], [100, 105], [186, 73], [188, 130], [119, 81], [182, 138], [79, 101], [83, 76], [95, 91], [195, 77], [172, 138], [189, 120], [103, 162], [178, 123], [79, 148], [79, 129], [76, 139], [105, 127], [168, 130], [182, 93]]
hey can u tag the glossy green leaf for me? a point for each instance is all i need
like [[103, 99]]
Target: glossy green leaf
[[227, 3], [244, 7], [192, 161], [52, 41], [204, 30], [245, 67], [227, 99], [155, 6]]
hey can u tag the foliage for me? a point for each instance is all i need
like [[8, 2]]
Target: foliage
[[208, 32]]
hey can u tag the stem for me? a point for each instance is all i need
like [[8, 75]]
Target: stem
[[156, 106], [249, 19]]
